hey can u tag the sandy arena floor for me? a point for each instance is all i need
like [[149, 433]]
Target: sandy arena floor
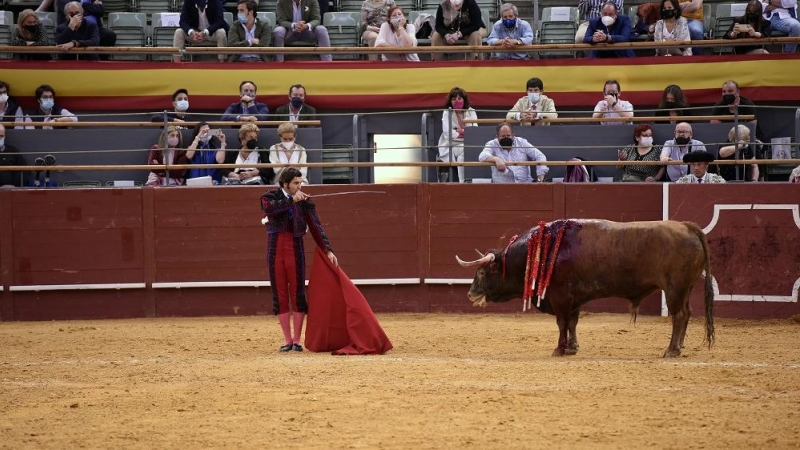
[[452, 381]]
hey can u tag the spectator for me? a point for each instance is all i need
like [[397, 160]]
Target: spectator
[[288, 152], [457, 109], [180, 104], [458, 19], [207, 147], [249, 154], [169, 151], [93, 11], [300, 20], [751, 25], [510, 32], [672, 28], [782, 16], [10, 111], [373, 15], [397, 32], [642, 149], [29, 32], [48, 110], [676, 149], [612, 106], [589, 10], [673, 104], [507, 148], [248, 31], [77, 32], [201, 21], [296, 109], [9, 156], [692, 11], [534, 106], [608, 29], [732, 103], [746, 151], [577, 174], [246, 109], [794, 177], [698, 161]]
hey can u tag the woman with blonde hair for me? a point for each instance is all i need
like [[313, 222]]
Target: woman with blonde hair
[[287, 152], [30, 32], [169, 151], [249, 154], [738, 139]]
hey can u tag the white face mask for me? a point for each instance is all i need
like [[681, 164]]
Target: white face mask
[[172, 141], [182, 105], [534, 96], [287, 144], [456, 3], [3, 97], [646, 141], [396, 20], [608, 21], [2, 142]]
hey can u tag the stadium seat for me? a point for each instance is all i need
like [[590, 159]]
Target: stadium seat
[[555, 30], [491, 9], [351, 6], [48, 19], [130, 29], [343, 30], [150, 6], [337, 153], [268, 6], [407, 5], [6, 22], [412, 19], [112, 6], [163, 33], [228, 16], [425, 5], [268, 17]]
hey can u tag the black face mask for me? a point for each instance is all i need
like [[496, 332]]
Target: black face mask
[[252, 144], [682, 140], [667, 13], [31, 28], [728, 99], [507, 142], [669, 104], [752, 17]]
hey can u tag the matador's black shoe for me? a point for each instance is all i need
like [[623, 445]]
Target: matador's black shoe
[[286, 348], [297, 347]]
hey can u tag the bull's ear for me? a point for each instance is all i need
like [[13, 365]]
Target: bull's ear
[[494, 266]]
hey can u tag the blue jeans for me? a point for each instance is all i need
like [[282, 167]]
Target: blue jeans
[[789, 26], [696, 33]]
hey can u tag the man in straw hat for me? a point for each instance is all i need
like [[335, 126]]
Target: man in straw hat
[[698, 167]]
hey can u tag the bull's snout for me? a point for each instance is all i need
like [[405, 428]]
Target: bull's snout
[[476, 299]]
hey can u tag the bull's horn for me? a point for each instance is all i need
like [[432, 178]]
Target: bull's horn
[[478, 262], [479, 253]]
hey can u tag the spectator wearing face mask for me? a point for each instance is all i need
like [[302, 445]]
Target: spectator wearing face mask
[[612, 105], [397, 32], [169, 151], [673, 104], [48, 110], [611, 27], [77, 32], [248, 31], [672, 28], [642, 149], [534, 106], [249, 154], [93, 11], [591, 9], [455, 20], [30, 32], [10, 111], [373, 15], [246, 109], [207, 147], [746, 151], [732, 103], [751, 25], [508, 148], [180, 106], [297, 109], [676, 149], [288, 152], [510, 32], [457, 111]]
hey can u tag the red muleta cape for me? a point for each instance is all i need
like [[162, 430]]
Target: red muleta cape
[[339, 317]]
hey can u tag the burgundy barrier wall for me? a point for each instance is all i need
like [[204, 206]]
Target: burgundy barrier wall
[[132, 238]]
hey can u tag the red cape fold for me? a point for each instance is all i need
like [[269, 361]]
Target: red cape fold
[[339, 318]]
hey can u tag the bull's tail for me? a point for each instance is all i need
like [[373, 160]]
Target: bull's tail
[[709, 286]]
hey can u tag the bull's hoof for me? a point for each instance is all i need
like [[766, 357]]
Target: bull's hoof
[[672, 353], [570, 351], [559, 351]]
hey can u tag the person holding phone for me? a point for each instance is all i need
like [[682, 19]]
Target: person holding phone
[[207, 147], [750, 26], [612, 105]]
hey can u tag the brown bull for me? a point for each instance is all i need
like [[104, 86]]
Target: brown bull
[[600, 258]]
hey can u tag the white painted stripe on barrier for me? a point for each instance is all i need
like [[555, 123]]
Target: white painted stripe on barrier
[[664, 216], [380, 281], [76, 287], [448, 280], [227, 284]]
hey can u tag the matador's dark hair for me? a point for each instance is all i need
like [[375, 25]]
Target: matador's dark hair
[[288, 174]]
